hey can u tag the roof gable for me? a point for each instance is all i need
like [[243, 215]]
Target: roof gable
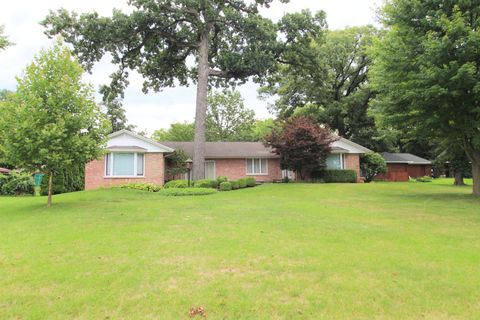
[[349, 146], [127, 140]]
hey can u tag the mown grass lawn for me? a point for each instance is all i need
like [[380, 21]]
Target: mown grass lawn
[[283, 251]]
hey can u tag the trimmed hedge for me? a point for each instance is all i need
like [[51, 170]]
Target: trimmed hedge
[[251, 182], [225, 186], [16, 184], [70, 179], [206, 183], [242, 183], [339, 176], [176, 184], [235, 185], [150, 187], [182, 192]]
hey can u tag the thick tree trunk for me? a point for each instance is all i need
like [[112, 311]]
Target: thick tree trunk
[[459, 179], [50, 187], [476, 177], [201, 109]]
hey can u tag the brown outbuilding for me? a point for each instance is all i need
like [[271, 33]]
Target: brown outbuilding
[[401, 166]]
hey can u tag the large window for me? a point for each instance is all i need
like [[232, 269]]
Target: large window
[[124, 164], [257, 167], [335, 161]]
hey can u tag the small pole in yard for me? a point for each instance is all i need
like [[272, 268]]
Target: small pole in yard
[[37, 178], [189, 164]]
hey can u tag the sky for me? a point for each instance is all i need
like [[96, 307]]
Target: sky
[[153, 110]]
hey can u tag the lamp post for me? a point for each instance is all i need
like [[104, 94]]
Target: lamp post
[[189, 165]]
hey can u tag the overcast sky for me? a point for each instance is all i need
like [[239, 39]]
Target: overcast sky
[[154, 110]]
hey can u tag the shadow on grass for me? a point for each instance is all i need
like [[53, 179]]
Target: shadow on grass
[[445, 197]]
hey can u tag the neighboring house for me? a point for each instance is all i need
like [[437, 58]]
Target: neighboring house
[[133, 158], [4, 171], [401, 166]]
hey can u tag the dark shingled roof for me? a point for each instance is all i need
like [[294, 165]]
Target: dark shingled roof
[[404, 158], [229, 150], [232, 150]]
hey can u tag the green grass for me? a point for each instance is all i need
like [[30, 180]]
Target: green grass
[[281, 251]]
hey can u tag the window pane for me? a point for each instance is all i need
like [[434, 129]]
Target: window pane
[[108, 162], [209, 170], [256, 166], [123, 164], [249, 166], [334, 161], [264, 166], [139, 164]]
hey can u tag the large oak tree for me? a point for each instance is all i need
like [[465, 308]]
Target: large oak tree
[[427, 72], [173, 42]]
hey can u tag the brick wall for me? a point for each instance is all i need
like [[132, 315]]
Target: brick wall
[[237, 168], [95, 173], [352, 162]]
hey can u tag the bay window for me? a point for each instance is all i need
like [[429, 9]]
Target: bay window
[[124, 164]]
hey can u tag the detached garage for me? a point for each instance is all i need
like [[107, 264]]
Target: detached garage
[[401, 166]]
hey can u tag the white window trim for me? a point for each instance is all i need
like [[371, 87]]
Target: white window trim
[[256, 174], [214, 168], [111, 176]]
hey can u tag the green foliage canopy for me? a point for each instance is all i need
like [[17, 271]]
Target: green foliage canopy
[[52, 121], [329, 82], [427, 72], [227, 117]]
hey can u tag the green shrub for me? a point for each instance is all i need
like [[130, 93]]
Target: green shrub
[[342, 176], [251, 182], [150, 187], [235, 184], [221, 179], [206, 183], [225, 186], [69, 179], [4, 178], [424, 179], [16, 184], [242, 183], [371, 165], [176, 184], [179, 192]]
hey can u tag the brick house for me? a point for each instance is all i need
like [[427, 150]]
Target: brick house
[[129, 158], [402, 166], [133, 158]]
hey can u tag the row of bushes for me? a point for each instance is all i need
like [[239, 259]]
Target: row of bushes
[[221, 183], [16, 183], [237, 184], [150, 187]]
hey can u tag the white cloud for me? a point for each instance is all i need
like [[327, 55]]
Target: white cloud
[[154, 110]]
